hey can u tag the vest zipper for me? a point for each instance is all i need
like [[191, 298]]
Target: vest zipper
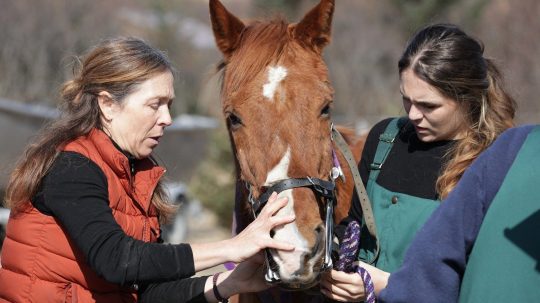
[[144, 230]]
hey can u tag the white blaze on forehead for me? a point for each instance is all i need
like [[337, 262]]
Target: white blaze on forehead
[[275, 76], [289, 232], [280, 171]]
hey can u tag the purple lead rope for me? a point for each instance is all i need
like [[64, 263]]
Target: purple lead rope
[[347, 255]]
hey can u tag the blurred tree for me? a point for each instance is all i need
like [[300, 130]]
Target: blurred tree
[[362, 60], [214, 182], [417, 13], [509, 30], [38, 36], [288, 7], [181, 29]]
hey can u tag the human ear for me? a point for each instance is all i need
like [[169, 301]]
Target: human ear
[[107, 105]]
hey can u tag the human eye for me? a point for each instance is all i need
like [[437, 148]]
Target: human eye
[[154, 105], [428, 106], [406, 102]]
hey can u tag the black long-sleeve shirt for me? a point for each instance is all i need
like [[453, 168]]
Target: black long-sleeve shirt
[[75, 192], [412, 166]]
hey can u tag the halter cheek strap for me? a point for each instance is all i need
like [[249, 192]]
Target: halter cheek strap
[[365, 204]]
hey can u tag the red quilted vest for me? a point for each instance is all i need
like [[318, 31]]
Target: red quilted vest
[[40, 264]]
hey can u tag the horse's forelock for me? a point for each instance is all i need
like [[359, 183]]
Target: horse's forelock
[[261, 44]]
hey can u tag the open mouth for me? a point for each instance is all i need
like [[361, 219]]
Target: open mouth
[[420, 129]]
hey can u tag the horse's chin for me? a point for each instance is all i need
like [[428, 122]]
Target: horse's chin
[[298, 286], [300, 269], [296, 282]]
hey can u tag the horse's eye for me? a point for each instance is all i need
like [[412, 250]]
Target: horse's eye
[[234, 121], [325, 112]]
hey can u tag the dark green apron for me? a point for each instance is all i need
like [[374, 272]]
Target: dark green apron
[[504, 265], [398, 216]]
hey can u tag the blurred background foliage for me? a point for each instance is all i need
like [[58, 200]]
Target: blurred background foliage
[[40, 39]]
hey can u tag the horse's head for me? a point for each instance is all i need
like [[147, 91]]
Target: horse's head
[[276, 98]]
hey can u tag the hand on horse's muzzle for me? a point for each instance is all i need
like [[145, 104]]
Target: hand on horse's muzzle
[[256, 236]]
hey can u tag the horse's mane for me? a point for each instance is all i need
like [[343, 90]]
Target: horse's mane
[[260, 44]]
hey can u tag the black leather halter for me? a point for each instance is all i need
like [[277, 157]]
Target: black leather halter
[[324, 189]]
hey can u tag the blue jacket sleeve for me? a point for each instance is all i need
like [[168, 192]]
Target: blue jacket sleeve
[[435, 262]]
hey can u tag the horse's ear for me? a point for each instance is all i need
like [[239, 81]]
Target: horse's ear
[[227, 28], [316, 26]]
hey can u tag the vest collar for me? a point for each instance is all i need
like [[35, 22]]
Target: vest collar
[[140, 178]]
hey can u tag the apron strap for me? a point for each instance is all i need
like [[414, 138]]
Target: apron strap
[[386, 141]]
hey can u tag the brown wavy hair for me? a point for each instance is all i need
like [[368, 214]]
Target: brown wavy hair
[[453, 62], [116, 66]]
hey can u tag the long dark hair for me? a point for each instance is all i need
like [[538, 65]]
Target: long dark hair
[[453, 62], [116, 66]]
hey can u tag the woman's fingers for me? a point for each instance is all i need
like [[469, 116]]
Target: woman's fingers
[[345, 286], [279, 245], [343, 277], [258, 232], [274, 205], [278, 221], [349, 291], [267, 214]]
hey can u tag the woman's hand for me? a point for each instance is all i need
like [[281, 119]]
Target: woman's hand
[[349, 287], [250, 241], [343, 287], [256, 235], [246, 277]]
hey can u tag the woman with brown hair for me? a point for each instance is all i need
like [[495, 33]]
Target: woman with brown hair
[[87, 201], [456, 107]]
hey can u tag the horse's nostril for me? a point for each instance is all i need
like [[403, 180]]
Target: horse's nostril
[[272, 233], [319, 229]]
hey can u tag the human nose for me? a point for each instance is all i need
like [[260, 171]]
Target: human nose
[[414, 113], [165, 117]]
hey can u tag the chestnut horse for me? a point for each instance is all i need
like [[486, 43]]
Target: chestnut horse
[[277, 100]]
